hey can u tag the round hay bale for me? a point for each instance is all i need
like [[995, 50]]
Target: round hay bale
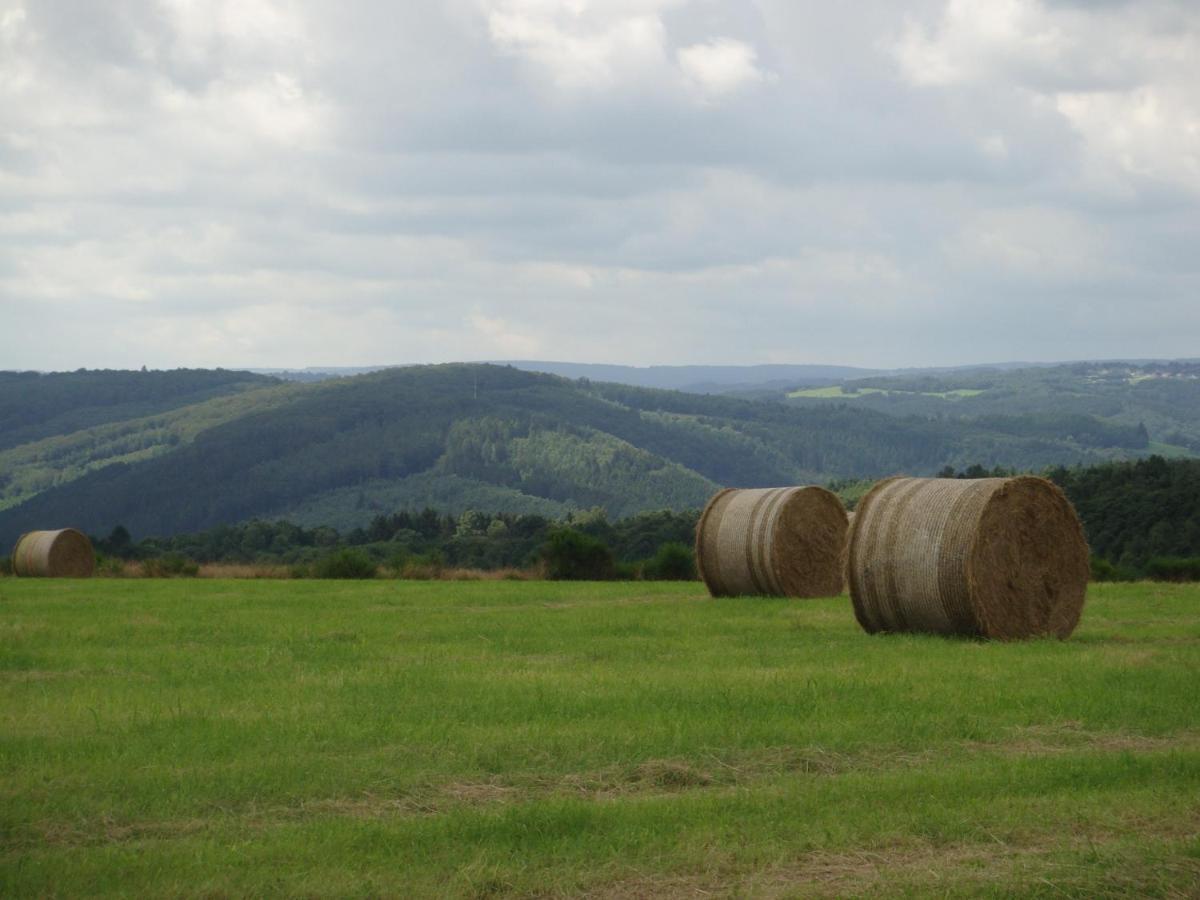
[[780, 542], [66, 553], [999, 558]]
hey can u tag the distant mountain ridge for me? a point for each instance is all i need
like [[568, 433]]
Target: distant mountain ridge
[[223, 447], [701, 379], [688, 378], [1162, 396], [691, 378]]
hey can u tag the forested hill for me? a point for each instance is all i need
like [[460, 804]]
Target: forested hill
[[1161, 396], [467, 436], [35, 405]]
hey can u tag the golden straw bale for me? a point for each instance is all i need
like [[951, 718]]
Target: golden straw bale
[[782, 542], [66, 553], [990, 557]]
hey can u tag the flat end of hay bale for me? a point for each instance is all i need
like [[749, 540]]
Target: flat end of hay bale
[[1029, 564], [810, 558]]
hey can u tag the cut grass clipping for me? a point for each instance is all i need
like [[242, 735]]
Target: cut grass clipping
[[991, 557], [778, 542], [66, 553]]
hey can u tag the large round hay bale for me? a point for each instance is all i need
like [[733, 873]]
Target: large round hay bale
[[66, 553], [782, 542], [990, 557]]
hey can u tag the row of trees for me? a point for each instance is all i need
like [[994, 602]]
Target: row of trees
[[583, 545], [1142, 519]]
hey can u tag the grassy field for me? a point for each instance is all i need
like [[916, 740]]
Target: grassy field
[[218, 738]]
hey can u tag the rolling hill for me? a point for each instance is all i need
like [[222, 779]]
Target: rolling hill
[[164, 453], [1162, 396]]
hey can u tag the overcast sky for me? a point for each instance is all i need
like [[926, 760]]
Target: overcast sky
[[878, 183]]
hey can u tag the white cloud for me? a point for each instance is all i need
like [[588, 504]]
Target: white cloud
[[499, 334], [642, 181], [1123, 77], [720, 66], [582, 44], [1150, 133]]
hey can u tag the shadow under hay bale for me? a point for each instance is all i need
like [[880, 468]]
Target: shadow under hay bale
[[781, 542], [991, 557], [66, 553]]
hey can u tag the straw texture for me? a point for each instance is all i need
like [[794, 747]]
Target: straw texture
[[782, 542], [991, 557], [54, 554]]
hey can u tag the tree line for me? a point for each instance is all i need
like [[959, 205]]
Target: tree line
[[581, 545], [1142, 519]]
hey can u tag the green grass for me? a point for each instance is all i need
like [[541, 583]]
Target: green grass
[[492, 738]]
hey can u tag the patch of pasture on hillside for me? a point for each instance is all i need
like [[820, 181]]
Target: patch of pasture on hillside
[[631, 739]]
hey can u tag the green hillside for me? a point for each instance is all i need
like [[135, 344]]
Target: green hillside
[[35, 406], [225, 447], [1080, 398], [28, 469]]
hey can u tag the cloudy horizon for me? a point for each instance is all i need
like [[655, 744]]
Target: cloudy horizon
[[640, 182]]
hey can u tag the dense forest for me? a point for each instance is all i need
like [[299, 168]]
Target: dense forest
[[189, 451], [1139, 516], [35, 405]]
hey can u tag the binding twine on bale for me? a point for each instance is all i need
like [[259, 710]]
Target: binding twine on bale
[[54, 554], [781, 542], [999, 558]]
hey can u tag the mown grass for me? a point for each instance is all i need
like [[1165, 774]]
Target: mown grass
[[482, 739]]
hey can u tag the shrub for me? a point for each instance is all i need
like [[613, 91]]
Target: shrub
[[397, 560], [1174, 568], [570, 555], [673, 562], [1103, 570], [110, 566], [345, 563], [626, 571], [170, 565], [5, 565], [424, 566]]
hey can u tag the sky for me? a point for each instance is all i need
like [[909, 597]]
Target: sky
[[256, 183]]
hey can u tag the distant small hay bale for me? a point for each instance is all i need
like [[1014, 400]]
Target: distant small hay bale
[[781, 542], [999, 558], [66, 553]]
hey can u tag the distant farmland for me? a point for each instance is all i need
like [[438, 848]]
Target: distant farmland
[[632, 739]]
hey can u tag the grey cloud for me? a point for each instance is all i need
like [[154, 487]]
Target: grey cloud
[[390, 166]]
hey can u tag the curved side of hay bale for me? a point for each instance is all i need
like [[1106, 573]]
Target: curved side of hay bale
[[781, 542], [65, 553], [991, 557]]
